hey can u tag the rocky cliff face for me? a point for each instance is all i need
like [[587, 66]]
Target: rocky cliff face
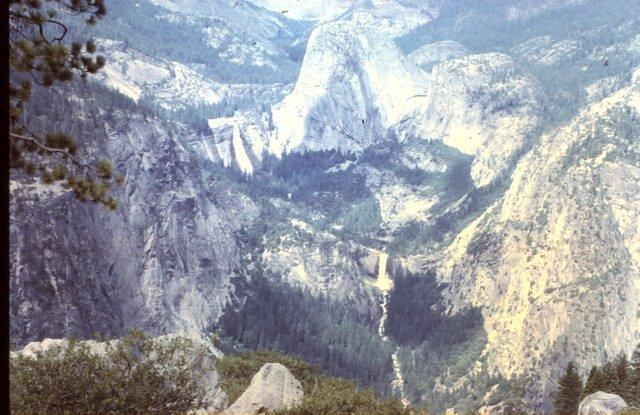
[[172, 85], [356, 89], [162, 261], [239, 141], [483, 105], [561, 243]]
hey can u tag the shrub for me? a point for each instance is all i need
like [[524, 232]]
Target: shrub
[[336, 396], [135, 375]]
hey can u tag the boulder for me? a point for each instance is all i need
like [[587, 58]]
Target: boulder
[[601, 403], [271, 389]]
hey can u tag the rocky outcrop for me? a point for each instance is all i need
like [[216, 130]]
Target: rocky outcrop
[[172, 85], [239, 141], [482, 105], [271, 389], [356, 89], [354, 86], [320, 263], [601, 403]]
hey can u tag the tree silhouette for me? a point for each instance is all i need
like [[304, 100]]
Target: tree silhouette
[[567, 398]]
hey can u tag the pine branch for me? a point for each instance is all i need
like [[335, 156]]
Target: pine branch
[[35, 141]]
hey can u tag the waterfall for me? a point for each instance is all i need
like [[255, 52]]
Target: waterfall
[[385, 285]]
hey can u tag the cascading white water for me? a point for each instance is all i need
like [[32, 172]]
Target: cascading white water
[[385, 284]]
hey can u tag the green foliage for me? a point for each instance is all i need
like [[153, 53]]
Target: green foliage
[[40, 52], [236, 370], [326, 333], [567, 397], [596, 381], [363, 217], [633, 386], [136, 375], [434, 359], [101, 108], [343, 397], [621, 368], [308, 178], [321, 184], [322, 395], [620, 376], [434, 344], [415, 312]]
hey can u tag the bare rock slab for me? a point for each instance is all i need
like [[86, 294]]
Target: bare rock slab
[[271, 389]]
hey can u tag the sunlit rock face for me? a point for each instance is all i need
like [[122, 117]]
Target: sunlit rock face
[[354, 87], [562, 242], [239, 141], [482, 105], [602, 403], [273, 388]]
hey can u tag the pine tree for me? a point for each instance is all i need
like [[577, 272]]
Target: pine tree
[[567, 398], [634, 378], [622, 367], [40, 54], [595, 382], [610, 376]]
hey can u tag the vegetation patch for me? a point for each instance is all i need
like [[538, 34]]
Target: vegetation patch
[[436, 348], [322, 395], [326, 333], [236, 370], [136, 375]]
